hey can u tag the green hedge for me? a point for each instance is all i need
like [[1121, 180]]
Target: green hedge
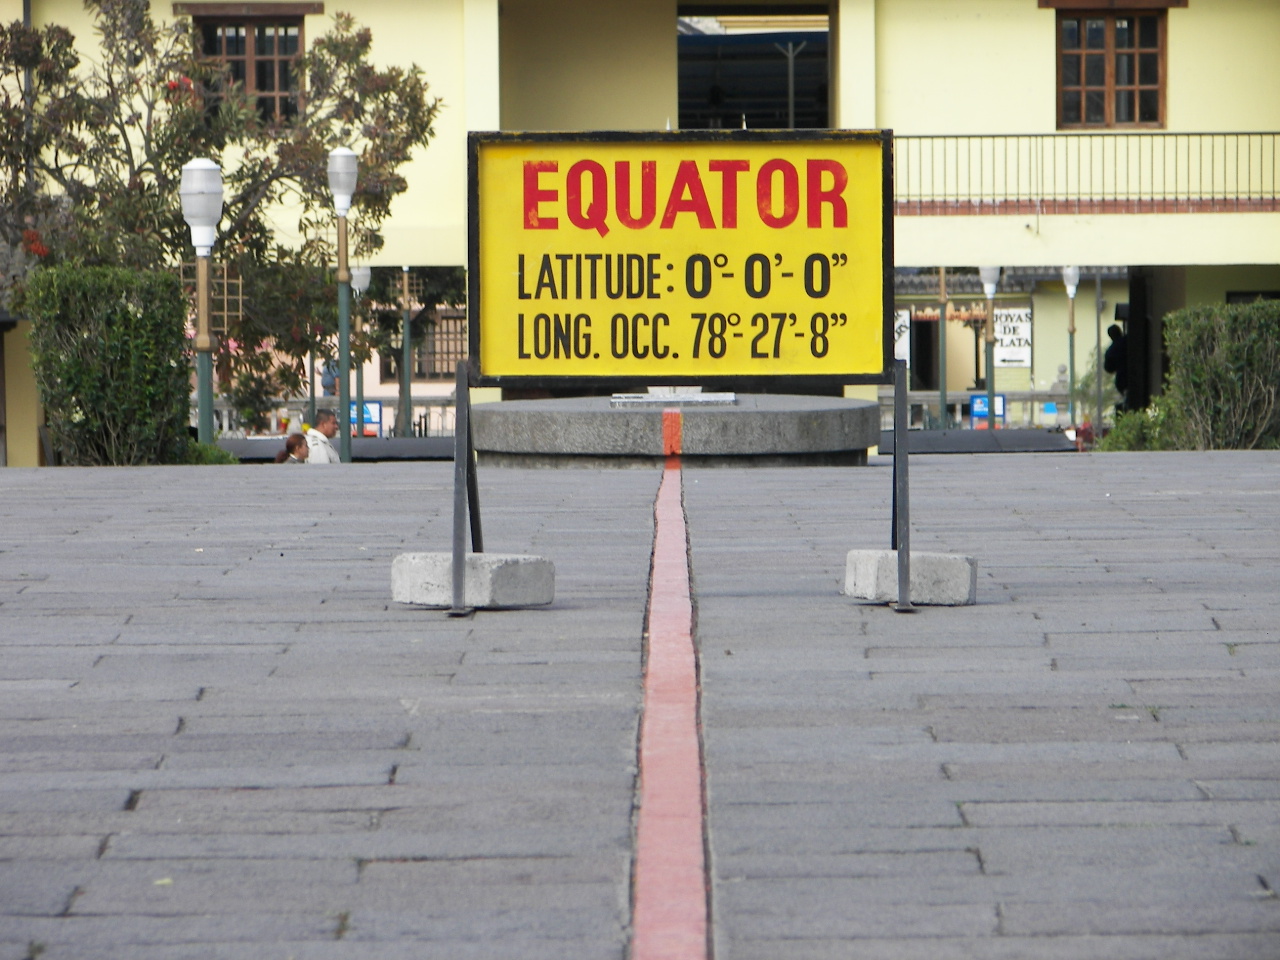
[[1222, 391], [112, 363]]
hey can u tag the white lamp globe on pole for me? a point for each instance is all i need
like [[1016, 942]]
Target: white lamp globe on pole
[[344, 169], [990, 281], [360, 279], [1071, 280], [201, 191]]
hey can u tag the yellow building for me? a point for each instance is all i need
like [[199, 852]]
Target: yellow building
[[1030, 134]]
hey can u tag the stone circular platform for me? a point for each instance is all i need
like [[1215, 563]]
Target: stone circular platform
[[754, 429]]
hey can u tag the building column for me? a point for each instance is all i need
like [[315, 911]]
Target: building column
[[481, 64], [853, 36]]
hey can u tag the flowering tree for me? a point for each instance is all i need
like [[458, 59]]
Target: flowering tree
[[93, 154]]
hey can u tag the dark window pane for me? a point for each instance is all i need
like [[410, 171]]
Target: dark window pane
[[1124, 33], [1070, 34], [258, 54], [1149, 69], [1124, 106], [266, 42], [1149, 106], [289, 107], [1071, 106], [1071, 70], [1095, 70], [1148, 32], [1095, 34], [1095, 107], [1124, 69]]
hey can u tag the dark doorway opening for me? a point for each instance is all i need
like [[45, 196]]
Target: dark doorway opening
[[744, 67]]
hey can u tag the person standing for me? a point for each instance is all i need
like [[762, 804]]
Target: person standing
[[295, 450], [1116, 361], [320, 450]]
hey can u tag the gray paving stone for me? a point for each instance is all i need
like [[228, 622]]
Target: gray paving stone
[[157, 887], [909, 946], [184, 935], [821, 909], [56, 847], [17, 759], [35, 800], [741, 817], [732, 869], [1180, 770], [245, 777], [479, 840], [955, 752], [38, 887], [1102, 721], [1254, 789], [1175, 916], [836, 788], [1201, 812]]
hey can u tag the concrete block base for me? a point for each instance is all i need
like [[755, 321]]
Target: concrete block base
[[937, 579], [492, 580]]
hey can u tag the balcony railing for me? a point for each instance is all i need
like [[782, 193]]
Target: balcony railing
[[1068, 173]]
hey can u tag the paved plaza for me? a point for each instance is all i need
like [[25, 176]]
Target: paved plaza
[[219, 738]]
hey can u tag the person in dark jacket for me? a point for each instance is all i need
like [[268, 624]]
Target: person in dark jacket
[[1116, 361]]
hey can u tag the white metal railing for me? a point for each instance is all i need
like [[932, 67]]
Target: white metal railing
[[431, 416], [1087, 173]]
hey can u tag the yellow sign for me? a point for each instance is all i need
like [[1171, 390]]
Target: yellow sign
[[678, 258]]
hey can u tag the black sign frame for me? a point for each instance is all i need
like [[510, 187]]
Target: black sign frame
[[606, 383]]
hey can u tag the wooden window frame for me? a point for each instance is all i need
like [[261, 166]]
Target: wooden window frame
[[1109, 50], [1117, 5], [252, 16]]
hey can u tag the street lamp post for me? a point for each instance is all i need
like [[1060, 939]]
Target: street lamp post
[[943, 410], [359, 284], [343, 171], [990, 280], [1071, 280], [1098, 356], [405, 420], [201, 193]]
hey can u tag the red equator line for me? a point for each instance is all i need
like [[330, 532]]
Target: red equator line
[[669, 919]]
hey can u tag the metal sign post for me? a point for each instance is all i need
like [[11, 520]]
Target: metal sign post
[[718, 258], [901, 491], [466, 496]]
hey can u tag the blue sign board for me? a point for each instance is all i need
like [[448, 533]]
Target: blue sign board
[[978, 406], [372, 418]]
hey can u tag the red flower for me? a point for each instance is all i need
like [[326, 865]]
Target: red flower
[[32, 243]]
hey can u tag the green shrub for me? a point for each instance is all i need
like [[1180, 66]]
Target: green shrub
[[254, 394], [1139, 430], [209, 453], [1224, 377], [110, 354]]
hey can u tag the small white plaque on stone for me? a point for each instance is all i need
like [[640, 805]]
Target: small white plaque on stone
[[673, 400]]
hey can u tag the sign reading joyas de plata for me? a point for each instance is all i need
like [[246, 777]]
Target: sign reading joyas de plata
[[672, 258]]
